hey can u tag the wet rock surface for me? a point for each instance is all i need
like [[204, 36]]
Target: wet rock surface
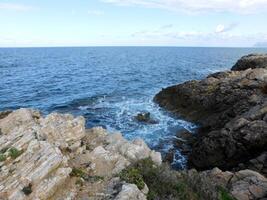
[[145, 118], [231, 108]]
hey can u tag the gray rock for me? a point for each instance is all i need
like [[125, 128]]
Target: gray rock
[[231, 108], [251, 61]]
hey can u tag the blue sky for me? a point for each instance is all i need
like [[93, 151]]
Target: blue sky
[[132, 22]]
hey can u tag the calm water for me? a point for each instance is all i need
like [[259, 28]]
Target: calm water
[[108, 85]]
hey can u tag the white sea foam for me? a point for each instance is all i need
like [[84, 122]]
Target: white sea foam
[[154, 134]]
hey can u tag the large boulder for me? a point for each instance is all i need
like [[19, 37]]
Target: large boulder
[[241, 185], [251, 61]]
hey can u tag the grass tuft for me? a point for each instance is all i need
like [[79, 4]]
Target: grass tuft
[[224, 195], [2, 157], [14, 153]]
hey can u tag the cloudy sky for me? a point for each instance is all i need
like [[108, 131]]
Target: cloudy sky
[[231, 23]]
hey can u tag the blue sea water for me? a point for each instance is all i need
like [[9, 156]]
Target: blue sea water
[[108, 85]]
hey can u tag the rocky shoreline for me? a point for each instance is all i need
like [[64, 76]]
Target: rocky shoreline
[[54, 157], [231, 109]]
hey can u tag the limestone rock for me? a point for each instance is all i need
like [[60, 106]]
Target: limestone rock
[[130, 192], [55, 158], [62, 130]]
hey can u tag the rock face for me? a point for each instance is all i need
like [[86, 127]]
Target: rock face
[[251, 61], [54, 157], [231, 107], [242, 185]]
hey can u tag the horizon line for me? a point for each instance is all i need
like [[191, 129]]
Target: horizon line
[[90, 46]]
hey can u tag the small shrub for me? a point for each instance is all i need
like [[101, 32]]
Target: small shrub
[[224, 195], [161, 181], [2, 157], [27, 190], [78, 173], [14, 153], [133, 175]]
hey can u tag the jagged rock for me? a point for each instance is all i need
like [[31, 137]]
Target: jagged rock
[[106, 163], [130, 192], [145, 118], [54, 159], [251, 61], [242, 185], [258, 164], [63, 131], [231, 109]]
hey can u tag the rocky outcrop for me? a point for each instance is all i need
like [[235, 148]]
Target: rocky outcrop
[[145, 118], [231, 108], [54, 157], [241, 185], [251, 61]]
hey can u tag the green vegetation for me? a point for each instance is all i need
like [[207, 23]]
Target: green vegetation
[[224, 195], [14, 153], [163, 183], [78, 173], [133, 175], [27, 190], [2, 157]]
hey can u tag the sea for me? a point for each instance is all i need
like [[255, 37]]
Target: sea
[[109, 86]]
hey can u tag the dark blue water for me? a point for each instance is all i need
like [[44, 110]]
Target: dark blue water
[[107, 85]]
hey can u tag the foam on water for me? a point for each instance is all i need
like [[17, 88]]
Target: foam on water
[[119, 116]]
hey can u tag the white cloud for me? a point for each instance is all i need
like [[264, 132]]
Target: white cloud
[[15, 7], [225, 28], [196, 6], [220, 28], [220, 37]]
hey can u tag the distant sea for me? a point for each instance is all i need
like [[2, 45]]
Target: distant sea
[[109, 85]]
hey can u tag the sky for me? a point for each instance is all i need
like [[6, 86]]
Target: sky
[[211, 23]]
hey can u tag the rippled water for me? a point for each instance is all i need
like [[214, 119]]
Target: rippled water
[[108, 85]]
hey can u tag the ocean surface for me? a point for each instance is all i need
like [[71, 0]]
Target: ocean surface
[[109, 85]]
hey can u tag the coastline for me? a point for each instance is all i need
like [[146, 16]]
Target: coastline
[[55, 157]]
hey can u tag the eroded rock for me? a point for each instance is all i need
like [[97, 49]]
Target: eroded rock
[[231, 109], [53, 158]]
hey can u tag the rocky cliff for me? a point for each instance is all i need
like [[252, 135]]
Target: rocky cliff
[[54, 157], [231, 108]]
